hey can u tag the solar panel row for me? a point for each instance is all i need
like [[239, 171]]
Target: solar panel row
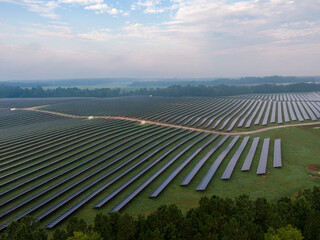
[[120, 205], [143, 171], [68, 178], [205, 181], [262, 167], [104, 186], [202, 161], [165, 183], [228, 172], [277, 163], [247, 162]]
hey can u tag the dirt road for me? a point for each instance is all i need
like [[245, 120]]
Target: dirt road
[[171, 125]]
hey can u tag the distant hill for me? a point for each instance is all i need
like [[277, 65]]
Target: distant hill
[[72, 82], [225, 81], [159, 82]]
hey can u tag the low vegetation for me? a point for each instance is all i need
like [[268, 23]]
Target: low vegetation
[[214, 218]]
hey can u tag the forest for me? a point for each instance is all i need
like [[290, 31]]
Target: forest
[[214, 218], [172, 91]]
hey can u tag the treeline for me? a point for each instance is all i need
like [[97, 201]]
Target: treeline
[[215, 218], [173, 91], [39, 92], [226, 81], [224, 90], [160, 82]]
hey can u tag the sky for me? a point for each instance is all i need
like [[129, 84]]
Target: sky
[[60, 39]]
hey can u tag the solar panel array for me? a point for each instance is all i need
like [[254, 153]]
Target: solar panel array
[[51, 175], [222, 114], [10, 118], [55, 173]]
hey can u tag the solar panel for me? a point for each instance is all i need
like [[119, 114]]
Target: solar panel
[[247, 162], [202, 121], [266, 116], [292, 115], [314, 108], [52, 169], [279, 113], [59, 151], [195, 121], [104, 176], [253, 115], [182, 119], [262, 167], [260, 113], [277, 154], [71, 177], [297, 111], [205, 181], [247, 114], [228, 172], [140, 173], [288, 96], [239, 116], [313, 117], [233, 106], [165, 183], [285, 112], [125, 201], [244, 103], [273, 113], [188, 120], [304, 114], [197, 167]]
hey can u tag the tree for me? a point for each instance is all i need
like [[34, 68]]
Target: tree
[[83, 236], [59, 235], [26, 229], [284, 233], [76, 225]]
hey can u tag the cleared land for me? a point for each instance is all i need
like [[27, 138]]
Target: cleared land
[[94, 165]]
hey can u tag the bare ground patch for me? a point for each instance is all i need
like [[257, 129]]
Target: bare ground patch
[[314, 171]]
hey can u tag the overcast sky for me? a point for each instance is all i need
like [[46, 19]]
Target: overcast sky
[[57, 39]]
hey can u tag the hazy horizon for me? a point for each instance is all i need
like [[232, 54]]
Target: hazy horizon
[[76, 39]]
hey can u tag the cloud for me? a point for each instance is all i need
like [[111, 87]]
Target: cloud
[[197, 38], [62, 30], [47, 8], [82, 2], [100, 35], [44, 8], [103, 8], [221, 24], [11, 1], [98, 6], [152, 6]]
